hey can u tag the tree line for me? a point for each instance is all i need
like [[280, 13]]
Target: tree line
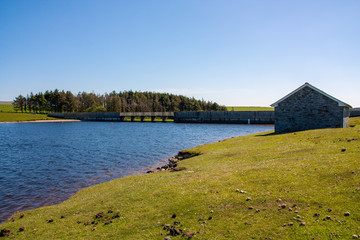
[[127, 101]]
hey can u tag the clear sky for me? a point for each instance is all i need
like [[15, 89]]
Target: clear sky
[[240, 52]]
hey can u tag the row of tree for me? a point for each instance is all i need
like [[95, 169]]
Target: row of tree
[[127, 101]]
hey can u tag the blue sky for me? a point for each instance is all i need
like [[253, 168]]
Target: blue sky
[[243, 53]]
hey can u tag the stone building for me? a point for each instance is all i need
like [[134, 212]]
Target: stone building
[[309, 108]]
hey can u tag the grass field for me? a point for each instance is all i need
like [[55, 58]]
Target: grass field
[[19, 117], [250, 108], [301, 185], [6, 108]]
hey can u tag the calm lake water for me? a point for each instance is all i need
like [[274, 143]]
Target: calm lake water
[[45, 163]]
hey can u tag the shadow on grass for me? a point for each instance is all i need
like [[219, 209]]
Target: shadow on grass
[[275, 134], [266, 134]]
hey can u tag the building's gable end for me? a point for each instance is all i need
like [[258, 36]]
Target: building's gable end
[[340, 103]]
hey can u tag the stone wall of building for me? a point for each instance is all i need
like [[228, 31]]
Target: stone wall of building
[[308, 109]]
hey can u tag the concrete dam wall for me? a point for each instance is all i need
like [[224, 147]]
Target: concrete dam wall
[[239, 117], [355, 112]]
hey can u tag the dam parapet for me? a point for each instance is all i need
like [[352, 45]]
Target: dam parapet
[[235, 117]]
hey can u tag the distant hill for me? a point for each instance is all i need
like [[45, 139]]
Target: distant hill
[[5, 102]]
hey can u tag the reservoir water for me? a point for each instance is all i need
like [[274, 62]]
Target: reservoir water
[[46, 163]]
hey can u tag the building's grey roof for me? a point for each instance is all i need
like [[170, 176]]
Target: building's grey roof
[[341, 103]]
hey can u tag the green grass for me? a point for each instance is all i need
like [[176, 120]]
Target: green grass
[[19, 117], [249, 108], [6, 108], [310, 171]]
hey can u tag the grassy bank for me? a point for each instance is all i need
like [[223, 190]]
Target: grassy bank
[[287, 186], [6, 108], [8, 114], [250, 108], [20, 117]]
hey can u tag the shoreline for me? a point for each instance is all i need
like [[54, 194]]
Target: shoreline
[[168, 164], [44, 121]]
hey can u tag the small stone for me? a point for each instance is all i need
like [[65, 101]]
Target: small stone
[[248, 199], [99, 215], [257, 210], [279, 200], [174, 231], [177, 169], [346, 214], [291, 223], [21, 229], [5, 232], [355, 236], [51, 220], [328, 217], [290, 209], [167, 238], [209, 218], [283, 205], [284, 225], [211, 211], [174, 215], [189, 234], [237, 190], [329, 209], [343, 150], [110, 211], [242, 191], [250, 207], [176, 223], [62, 216], [302, 223], [296, 211], [22, 215], [316, 214]]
